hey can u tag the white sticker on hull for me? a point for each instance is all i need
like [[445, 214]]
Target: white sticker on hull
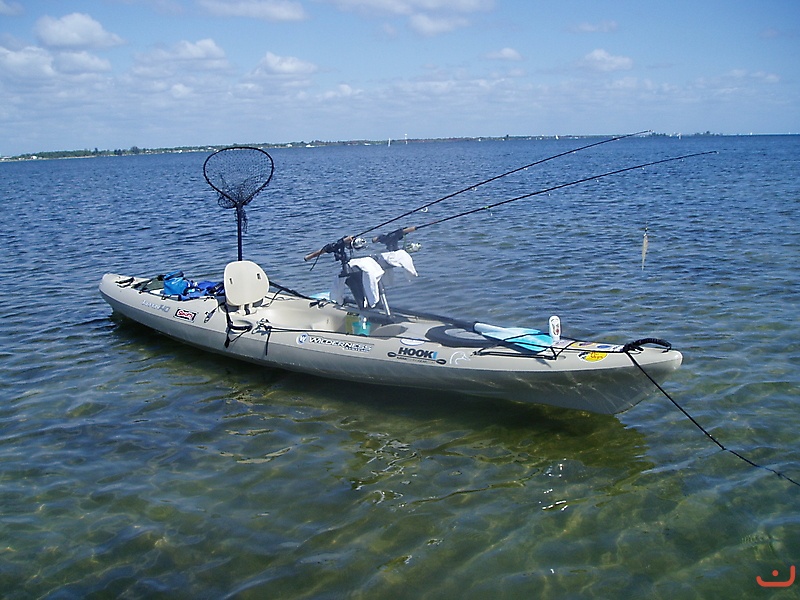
[[589, 346], [417, 355], [161, 307], [305, 338], [459, 357], [186, 315]]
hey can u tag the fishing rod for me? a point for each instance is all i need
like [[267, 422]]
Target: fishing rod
[[392, 238], [496, 177], [405, 230]]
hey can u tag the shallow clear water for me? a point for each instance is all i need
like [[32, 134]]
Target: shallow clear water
[[132, 466]]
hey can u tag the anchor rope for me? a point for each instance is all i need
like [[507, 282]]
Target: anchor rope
[[704, 430]]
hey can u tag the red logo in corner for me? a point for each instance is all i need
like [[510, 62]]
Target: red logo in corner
[[777, 584]]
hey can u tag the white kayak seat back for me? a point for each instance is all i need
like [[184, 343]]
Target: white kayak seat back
[[246, 284]]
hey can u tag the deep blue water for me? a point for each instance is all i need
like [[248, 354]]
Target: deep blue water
[[132, 466]]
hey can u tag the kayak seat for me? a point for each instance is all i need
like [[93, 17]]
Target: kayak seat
[[246, 285]]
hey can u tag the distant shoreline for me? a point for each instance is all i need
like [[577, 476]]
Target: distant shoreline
[[135, 150]]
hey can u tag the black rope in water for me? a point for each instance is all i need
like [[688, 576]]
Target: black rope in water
[[701, 428]]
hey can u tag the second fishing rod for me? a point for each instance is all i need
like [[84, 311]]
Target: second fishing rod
[[496, 177], [392, 239], [348, 241]]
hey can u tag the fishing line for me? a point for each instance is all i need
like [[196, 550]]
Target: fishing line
[[557, 187], [394, 236], [424, 207], [627, 350]]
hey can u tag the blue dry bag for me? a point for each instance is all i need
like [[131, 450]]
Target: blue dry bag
[[175, 284]]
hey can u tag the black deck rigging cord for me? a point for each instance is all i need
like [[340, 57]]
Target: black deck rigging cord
[[627, 351]]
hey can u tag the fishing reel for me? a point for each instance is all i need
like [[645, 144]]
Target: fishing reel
[[392, 239], [339, 248]]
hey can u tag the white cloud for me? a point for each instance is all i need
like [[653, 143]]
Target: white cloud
[[737, 81], [29, 63], [426, 17], [81, 62], [205, 50], [408, 7], [10, 9], [203, 55], [341, 91], [284, 65], [505, 54], [180, 90], [600, 60], [427, 25], [268, 10], [757, 76], [76, 30]]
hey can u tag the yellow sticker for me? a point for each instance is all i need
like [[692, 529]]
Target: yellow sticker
[[592, 356]]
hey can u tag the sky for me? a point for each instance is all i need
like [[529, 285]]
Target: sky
[[110, 74]]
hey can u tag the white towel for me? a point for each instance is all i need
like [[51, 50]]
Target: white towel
[[399, 258], [371, 273]]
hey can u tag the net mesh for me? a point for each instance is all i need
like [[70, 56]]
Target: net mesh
[[238, 174]]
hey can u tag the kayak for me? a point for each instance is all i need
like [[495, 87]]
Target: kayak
[[359, 338], [244, 316]]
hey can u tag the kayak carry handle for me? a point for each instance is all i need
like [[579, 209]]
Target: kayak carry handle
[[637, 344], [327, 248]]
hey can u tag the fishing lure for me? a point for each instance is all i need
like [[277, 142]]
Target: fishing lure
[[645, 244]]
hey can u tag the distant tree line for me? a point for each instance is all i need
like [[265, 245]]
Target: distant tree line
[[134, 150], [86, 153]]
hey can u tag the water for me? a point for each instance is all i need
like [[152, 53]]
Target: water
[[131, 466]]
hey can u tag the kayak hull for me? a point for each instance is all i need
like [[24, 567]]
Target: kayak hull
[[300, 334]]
